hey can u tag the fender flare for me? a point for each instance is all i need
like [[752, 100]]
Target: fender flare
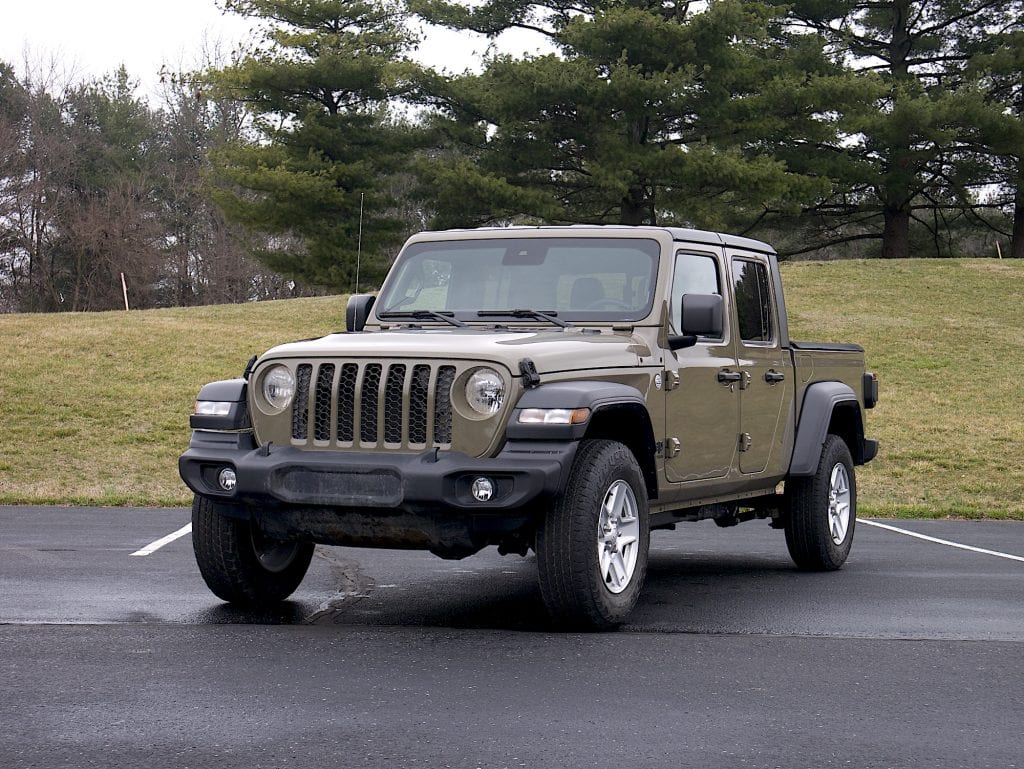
[[820, 401], [233, 391], [601, 398], [597, 396]]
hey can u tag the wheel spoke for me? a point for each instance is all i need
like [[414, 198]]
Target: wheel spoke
[[619, 577], [623, 542], [838, 529], [605, 559], [615, 501]]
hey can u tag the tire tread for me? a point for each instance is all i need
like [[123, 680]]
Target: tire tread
[[807, 534], [571, 593], [228, 564]]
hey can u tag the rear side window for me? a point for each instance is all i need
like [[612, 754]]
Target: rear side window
[[753, 300]]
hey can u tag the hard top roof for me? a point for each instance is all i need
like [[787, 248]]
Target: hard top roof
[[681, 234]]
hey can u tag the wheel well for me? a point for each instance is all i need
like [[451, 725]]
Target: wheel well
[[629, 424], [848, 424]]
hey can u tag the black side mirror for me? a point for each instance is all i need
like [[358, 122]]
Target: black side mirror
[[357, 311], [702, 315]]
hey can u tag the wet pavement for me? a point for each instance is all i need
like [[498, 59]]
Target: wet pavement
[[909, 656]]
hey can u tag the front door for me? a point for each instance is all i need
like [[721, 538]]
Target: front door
[[701, 401]]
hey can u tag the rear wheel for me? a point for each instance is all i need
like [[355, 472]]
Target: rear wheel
[[823, 510], [592, 546], [239, 563]]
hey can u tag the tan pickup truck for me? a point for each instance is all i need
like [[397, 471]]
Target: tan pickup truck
[[562, 390]]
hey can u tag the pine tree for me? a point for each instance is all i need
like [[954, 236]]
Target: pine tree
[[995, 134], [648, 112], [315, 177], [892, 160]]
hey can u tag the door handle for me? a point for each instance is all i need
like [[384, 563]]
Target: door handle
[[728, 377], [774, 376]]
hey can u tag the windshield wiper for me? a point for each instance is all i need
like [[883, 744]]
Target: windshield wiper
[[447, 317], [548, 316]]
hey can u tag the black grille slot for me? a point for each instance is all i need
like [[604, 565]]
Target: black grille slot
[[370, 397], [322, 403], [443, 405], [418, 389], [393, 404], [300, 411], [347, 402]]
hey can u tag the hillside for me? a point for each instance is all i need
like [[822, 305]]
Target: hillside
[[95, 406]]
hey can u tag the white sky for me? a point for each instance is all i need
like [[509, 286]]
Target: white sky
[[94, 37]]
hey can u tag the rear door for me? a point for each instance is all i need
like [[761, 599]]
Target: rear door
[[767, 376]]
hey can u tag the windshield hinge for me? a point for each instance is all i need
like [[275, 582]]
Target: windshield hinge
[[529, 371], [249, 367]]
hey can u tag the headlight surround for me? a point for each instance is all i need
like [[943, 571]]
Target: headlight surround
[[485, 391], [278, 387]]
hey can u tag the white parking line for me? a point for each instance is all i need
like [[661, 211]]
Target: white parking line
[[152, 547], [941, 541]]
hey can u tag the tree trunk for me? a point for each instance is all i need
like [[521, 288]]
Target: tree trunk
[[632, 212], [897, 177], [1017, 244], [896, 233], [637, 208]]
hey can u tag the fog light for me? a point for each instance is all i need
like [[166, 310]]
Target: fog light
[[483, 489], [227, 479]]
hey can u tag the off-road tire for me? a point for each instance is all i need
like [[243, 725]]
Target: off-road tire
[[809, 534], [568, 541], [228, 556]]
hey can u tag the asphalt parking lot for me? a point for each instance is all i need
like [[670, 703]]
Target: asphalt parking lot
[[909, 656]]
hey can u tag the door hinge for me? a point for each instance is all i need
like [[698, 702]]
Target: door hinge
[[671, 380], [671, 447], [745, 441], [745, 380]]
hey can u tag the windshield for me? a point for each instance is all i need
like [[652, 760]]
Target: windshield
[[592, 279]]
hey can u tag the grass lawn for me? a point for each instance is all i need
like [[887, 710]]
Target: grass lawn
[[95, 406]]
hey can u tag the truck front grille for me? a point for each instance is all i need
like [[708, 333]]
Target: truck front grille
[[389, 405]]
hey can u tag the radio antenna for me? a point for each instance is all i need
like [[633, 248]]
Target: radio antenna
[[359, 242]]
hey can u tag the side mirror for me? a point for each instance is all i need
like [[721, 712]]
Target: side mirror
[[357, 311], [702, 315]]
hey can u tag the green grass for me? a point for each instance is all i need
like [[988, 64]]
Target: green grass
[[95, 406], [946, 338]]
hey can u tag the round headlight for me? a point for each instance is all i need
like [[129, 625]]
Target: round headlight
[[278, 387], [485, 391]]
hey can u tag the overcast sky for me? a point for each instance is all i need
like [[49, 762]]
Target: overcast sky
[[96, 36]]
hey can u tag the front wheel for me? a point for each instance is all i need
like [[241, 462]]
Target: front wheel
[[239, 563], [592, 546], [823, 510]]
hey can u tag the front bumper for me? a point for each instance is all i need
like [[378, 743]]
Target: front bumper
[[378, 499]]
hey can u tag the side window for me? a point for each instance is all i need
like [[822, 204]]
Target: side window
[[694, 274], [753, 300]]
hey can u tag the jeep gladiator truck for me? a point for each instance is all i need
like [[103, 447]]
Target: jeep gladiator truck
[[558, 389]]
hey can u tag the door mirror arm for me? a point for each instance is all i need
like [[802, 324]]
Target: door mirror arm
[[681, 341]]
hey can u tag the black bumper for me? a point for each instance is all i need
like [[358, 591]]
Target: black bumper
[[870, 450], [340, 497]]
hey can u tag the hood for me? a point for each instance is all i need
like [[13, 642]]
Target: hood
[[550, 350]]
